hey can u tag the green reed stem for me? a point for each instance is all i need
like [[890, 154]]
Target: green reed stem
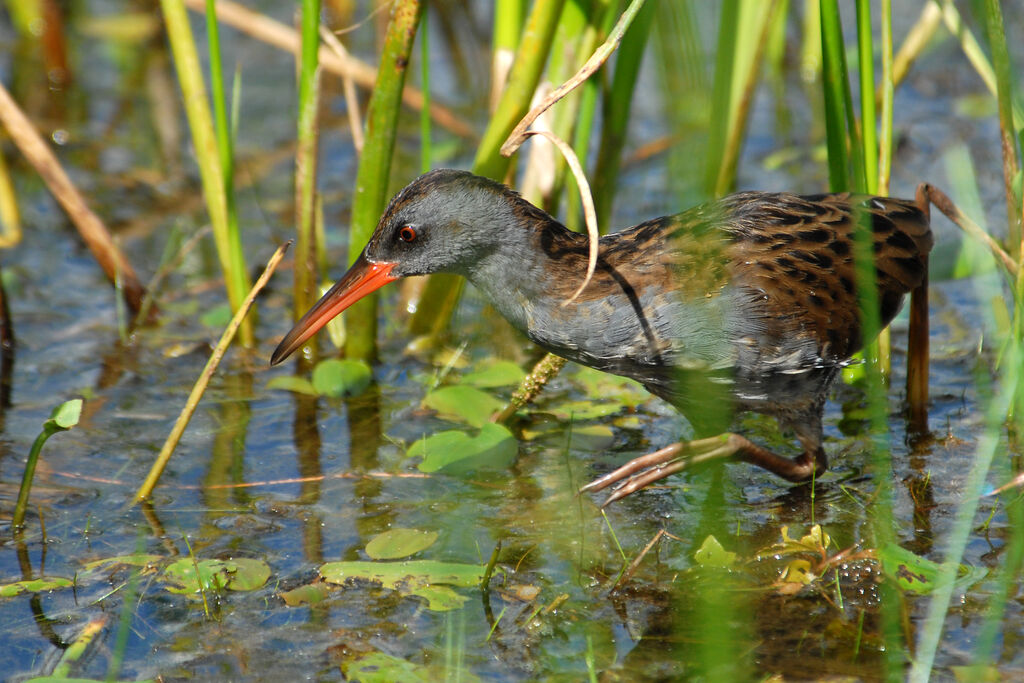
[[616, 106], [531, 56], [63, 418], [866, 70], [1011, 154], [426, 154], [305, 289], [441, 293], [945, 581], [375, 163], [885, 116], [228, 242]]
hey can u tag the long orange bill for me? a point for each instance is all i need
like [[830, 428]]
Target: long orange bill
[[361, 279]]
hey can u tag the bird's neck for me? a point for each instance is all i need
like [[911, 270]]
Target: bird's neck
[[531, 267]]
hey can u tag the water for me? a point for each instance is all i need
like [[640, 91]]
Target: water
[[297, 482]]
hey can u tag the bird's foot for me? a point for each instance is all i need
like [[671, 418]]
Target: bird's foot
[[647, 469]]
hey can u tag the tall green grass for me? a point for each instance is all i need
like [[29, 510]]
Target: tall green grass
[[197, 108]]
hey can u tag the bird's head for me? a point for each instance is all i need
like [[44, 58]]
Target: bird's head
[[444, 221]]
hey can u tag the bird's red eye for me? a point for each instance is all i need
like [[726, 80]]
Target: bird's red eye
[[407, 233]]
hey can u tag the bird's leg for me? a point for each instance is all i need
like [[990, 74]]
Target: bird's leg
[[647, 469], [917, 337]]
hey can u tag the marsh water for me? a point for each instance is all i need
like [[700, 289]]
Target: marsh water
[[298, 481]]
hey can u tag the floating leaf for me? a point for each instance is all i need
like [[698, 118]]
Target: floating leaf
[[712, 554], [584, 410], [309, 594], [299, 385], [427, 579], [622, 390], [48, 583], [439, 598], [408, 572], [247, 573], [136, 560], [456, 452], [917, 574], [190, 576], [500, 373], [466, 404], [591, 437], [378, 667], [815, 541], [337, 377], [397, 543]]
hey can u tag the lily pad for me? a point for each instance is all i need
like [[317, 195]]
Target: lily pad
[[590, 437], [294, 383], [189, 576], [378, 667], [48, 583], [584, 410], [337, 377], [622, 390], [464, 404], [408, 572], [308, 594], [456, 452], [427, 579], [712, 554], [920, 575], [500, 373], [136, 560], [394, 544]]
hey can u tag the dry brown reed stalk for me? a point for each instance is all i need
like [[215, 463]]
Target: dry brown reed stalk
[[89, 225], [281, 36]]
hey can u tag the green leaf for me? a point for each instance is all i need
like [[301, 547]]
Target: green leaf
[[189, 576], [378, 667], [309, 594], [623, 390], [66, 415], [406, 573], [917, 574], [247, 573], [439, 598], [584, 410], [137, 560], [500, 373], [545, 429], [462, 403], [299, 385], [34, 586], [712, 554], [397, 543], [337, 377], [427, 579], [456, 452]]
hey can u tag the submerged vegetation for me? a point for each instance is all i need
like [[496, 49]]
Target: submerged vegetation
[[401, 504]]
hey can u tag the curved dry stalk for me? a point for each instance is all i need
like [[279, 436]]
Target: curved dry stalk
[[89, 225], [596, 61], [589, 214], [355, 122]]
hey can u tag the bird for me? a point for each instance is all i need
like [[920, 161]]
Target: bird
[[744, 303]]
